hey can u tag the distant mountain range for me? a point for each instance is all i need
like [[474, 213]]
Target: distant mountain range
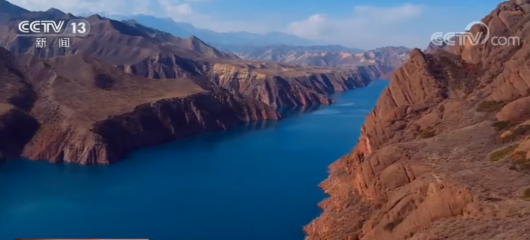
[[126, 86], [323, 56], [299, 48], [216, 39], [274, 46]]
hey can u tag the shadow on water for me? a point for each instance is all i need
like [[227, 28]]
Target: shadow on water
[[290, 112], [204, 141], [210, 139], [255, 181]]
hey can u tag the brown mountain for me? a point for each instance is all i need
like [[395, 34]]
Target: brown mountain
[[154, 54], [112, 41], [126, 86], [78, 109], [324, 56], [445, 153]]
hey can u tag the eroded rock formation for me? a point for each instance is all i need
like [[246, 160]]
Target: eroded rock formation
[[277, 85], [125, 86], [150, 53], [444, 154], [78, 109]]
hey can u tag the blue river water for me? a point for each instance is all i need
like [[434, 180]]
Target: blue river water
[[254, 182]]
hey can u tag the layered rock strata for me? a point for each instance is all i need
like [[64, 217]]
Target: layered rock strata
[[444, 154], [78, 109]]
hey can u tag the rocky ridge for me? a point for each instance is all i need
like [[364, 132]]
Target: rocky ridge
[[444, 154], [154, 87], [78, 109], [150, 53], [291, 87], [275, 84], [325, 56]]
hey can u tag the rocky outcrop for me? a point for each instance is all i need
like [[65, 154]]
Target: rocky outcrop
[[286, 86], [163, 66], [149, 124], [126, 86], [443, 155], [149, 53], [276, 85], [16, 130], [78, 109]]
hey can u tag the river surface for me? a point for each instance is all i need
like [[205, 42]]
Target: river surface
[[254, 182]]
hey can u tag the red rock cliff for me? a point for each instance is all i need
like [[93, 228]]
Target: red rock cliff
[[444, 153], [275, 84], [149, 53], [78, 109], [146, 125]]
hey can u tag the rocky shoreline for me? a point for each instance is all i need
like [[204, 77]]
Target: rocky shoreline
[[147, 125], [126, 86], [102, 115], [444, 154]]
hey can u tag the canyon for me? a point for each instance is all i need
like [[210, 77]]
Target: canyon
[[216, 185], [126, 86], [78, 109], [444, 154]]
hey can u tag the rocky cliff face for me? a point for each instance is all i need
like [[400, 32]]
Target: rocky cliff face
[[149, 124], [125, 86], [78, 109], [277, 85], [17, 129], [287, 86], [150, 53], [444, 154]]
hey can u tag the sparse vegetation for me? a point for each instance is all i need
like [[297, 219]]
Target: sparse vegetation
[[490, 106], [391, 225], [520, 162], [501, 125], [427, 133], [526, 195], [519, 156], [501, 153], [519, 131]]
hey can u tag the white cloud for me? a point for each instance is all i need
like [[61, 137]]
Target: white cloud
[[175, 9], [142, 7], [178, 10], [207, 22], [230, 26], [124, 7], [74, 6], [388, 15], [366, 26], [313, 27], [182, 12]]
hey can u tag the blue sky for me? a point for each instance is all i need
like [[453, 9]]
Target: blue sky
[[355, 23]]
